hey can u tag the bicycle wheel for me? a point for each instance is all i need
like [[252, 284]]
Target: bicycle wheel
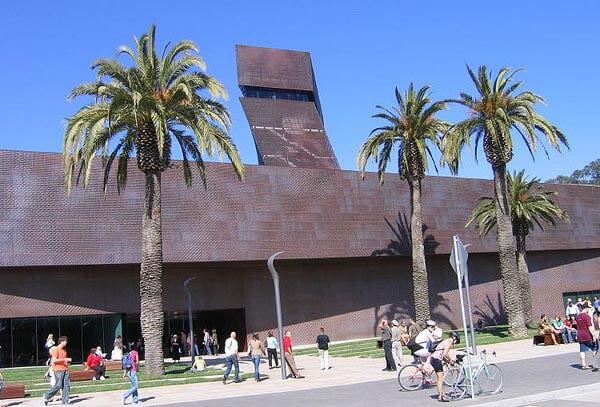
[[489, 381], [454, 386], [410, 377]]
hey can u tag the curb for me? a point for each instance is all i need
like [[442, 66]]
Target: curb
[[539, 397]]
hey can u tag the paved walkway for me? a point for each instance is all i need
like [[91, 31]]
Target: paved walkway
[[344, 371]]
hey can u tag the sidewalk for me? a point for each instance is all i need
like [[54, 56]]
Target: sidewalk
[[345, 371]]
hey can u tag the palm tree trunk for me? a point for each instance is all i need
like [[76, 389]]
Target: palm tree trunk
[[525, 281], [419, 267], [506, 250], [152, 318]]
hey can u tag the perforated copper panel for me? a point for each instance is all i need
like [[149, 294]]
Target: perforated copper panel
[[274, 68], [309, 213], [289, 133]]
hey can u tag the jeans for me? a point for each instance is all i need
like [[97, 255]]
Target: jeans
[[208, 350], [324, 358], [256, 362], [566, 335], [62, 382], [389, 358], [272, 355], [133, 391], [229, 362]]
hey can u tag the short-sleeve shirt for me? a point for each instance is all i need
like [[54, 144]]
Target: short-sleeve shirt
[[583, 327], [323, 342], [135, 359], [287, 344], [59, 353]]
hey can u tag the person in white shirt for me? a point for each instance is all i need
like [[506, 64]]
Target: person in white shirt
[[425, 338], [231, 358], [572, 310]]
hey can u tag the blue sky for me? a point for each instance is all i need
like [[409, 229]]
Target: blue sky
[[360, 52]]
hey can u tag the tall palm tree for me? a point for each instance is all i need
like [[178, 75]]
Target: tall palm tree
[[411, 126], [494, 114], [141, 109], [530, 205]]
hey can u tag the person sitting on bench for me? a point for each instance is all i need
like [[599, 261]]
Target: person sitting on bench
[[545, 328], [96, 363]]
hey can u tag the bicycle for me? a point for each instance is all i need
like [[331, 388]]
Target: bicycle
[[413, 377], [487, 378]]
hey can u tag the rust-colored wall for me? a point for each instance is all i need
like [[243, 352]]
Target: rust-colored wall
[[309, 213], [346, 296]]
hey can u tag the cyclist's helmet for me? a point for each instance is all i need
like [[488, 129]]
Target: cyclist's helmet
[[456, 336]]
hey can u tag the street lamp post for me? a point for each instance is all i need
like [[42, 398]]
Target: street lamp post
[[191, 321], [275, 277]]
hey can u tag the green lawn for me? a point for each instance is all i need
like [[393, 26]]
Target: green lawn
[[368, 348], [36, 384]]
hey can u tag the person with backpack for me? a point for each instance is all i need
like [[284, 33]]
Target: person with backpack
[[130, 369]]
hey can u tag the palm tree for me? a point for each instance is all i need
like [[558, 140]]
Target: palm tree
[[494, 114], [529, 206], [411, 126], [141, 109]]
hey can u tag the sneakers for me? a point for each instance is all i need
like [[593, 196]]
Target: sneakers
[[102, 378], [224, 381], [123, 401], [45, 401], [94, 378]]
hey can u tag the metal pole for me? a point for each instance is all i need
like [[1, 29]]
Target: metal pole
[[464, 319], [191, 321], [275, 277], [472, 329]]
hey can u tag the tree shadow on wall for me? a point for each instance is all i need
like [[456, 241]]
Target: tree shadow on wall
[[405, 309], [402, 244], [492, 312]]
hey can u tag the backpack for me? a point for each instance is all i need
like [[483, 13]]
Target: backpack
[[126, 362]]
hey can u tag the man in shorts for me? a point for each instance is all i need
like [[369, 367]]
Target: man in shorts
[[586, 335]]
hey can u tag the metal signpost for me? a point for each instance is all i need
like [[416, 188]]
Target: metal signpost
[[275, 277], [458, 260], [187, 290]]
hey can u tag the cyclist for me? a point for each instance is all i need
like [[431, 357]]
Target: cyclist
[[425, 341], [442, 354]]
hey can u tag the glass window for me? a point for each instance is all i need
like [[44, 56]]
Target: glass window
[[5, 343], [71, 327], [92, 333], [45, 326], [24, 342]]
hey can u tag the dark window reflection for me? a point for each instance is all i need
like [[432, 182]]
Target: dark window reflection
[[24, 341], [71, 327], [45, 327], [92, 333], [5, 343]]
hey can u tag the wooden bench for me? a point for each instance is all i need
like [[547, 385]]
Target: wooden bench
[[546, 339], [81, 375], [113, 365], [12, 391]]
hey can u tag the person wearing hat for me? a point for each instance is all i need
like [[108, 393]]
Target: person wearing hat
[[425, 340], [587, 336], [571, 310], [396, 343]]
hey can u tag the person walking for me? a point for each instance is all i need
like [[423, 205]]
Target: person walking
[[207, 344], [323, 345], [175, 348], [231, 358], [131, 366], [214, 339], [289, 355], [586, 335], [60, 365], [396, 343], [272, 350], [386, 339], [256, 350]]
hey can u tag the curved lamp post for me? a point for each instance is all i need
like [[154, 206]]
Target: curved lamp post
[[275, 277], [191, 322]]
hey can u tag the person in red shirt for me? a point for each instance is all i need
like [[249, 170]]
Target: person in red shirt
[[96, 363], [289, 355], [586, 335]]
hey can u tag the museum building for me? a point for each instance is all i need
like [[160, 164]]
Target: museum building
[[69, 264]]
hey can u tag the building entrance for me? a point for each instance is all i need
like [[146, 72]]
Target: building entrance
[[176, 322]]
